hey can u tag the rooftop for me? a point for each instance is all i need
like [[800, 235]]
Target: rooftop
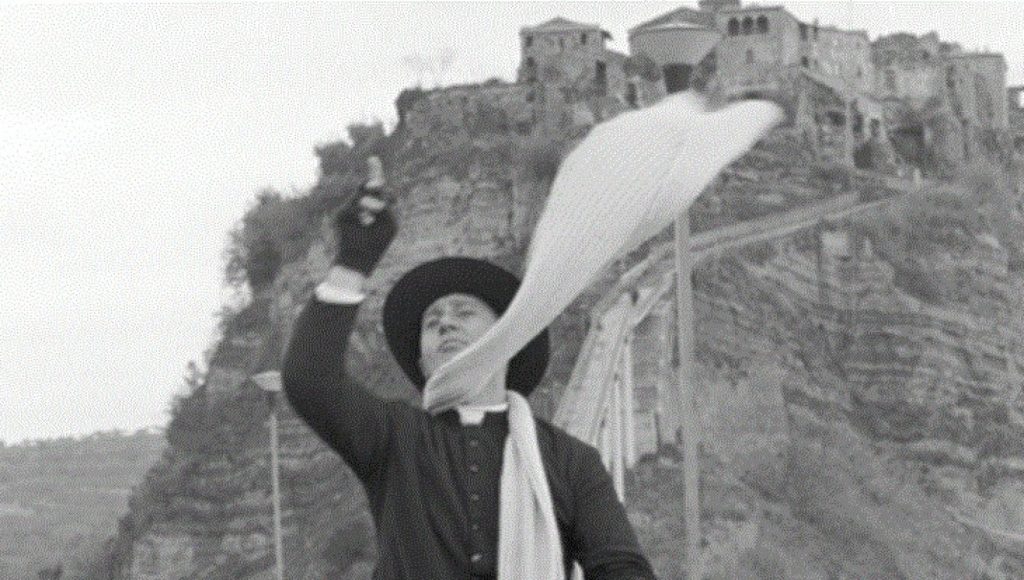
[[682, 15], [559, 24]]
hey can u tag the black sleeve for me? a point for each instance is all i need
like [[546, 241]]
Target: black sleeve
[[602, 539], [347, 417]]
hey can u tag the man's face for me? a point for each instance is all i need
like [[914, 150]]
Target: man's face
[[449, 325]]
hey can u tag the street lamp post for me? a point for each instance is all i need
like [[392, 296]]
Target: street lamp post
[[270, 383], [687, 376]]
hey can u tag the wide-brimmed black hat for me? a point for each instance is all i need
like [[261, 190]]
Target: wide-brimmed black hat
[[420, 287]]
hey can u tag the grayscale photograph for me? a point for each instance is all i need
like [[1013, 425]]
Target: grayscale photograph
[[567, 290]]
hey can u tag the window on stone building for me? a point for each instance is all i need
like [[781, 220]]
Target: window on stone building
[[803, 31], [528, 41], [601, 78], [631, 95], [750, 56], [531, 70], [583, 38], [748, 25], [890, 80], [734, 27], [815, 32], [561, 43], [762, 24], [805, 62]]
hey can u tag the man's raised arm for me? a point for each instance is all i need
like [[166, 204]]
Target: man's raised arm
[[347, 417]]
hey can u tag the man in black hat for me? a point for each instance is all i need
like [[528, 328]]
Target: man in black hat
[[435, 482]]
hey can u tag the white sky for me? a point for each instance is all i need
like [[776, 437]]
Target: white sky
[[132, 138]]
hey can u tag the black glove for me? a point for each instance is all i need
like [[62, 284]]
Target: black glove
[[363, 234]]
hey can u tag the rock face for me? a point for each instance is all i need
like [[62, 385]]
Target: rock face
[[812, 364]]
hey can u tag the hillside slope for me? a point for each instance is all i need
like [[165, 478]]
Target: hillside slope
[[798, 482], [60, 498]]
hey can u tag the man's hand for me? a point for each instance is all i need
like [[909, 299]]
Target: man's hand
[[364, 228]]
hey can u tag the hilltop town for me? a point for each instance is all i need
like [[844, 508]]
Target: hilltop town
[[895, 104], [859, 374]]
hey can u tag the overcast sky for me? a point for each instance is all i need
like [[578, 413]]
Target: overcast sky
[[132, 138]]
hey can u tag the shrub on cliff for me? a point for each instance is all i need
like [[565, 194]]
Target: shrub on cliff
[[914, 230], [274, 231]]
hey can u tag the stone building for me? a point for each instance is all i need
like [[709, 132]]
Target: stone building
[[907, 67], [763, 46], [940, 97], [677, 42], [1015, 116], [729, 51], [579, 80]]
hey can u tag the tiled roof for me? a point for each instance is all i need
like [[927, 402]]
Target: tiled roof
[[560, 23], [683, 16]]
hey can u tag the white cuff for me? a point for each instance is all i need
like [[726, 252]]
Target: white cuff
[[333, 291]]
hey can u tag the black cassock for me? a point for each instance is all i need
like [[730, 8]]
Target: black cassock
[[433, 483]]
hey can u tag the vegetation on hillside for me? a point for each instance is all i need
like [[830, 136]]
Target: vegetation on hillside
[[946, 219], [61, 497]]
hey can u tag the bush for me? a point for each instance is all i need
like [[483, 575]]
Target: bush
[[643, 66], [275, 231]]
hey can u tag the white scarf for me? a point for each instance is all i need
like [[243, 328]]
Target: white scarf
[[625, 182], [529, 545]]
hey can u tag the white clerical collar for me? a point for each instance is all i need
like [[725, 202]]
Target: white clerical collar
[[474, 414]]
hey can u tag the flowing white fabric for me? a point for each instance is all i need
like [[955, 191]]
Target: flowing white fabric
[[529, 545], [625, 182]]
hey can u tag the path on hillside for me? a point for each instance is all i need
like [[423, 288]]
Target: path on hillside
[[583, 402]]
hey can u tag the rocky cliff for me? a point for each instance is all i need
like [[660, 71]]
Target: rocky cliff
[[842, 417]]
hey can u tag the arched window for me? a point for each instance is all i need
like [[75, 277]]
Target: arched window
[[750, 56], [734, 27], [528, 41], [805, 62], [583, 38], [890, 80], [748, 25], [803, 31], [762, 24]]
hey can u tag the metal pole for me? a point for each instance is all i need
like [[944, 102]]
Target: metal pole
[[615, 432], [278, 552], [686, 343], [629, 434]]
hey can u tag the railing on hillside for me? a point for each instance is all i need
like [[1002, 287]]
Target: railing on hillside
[[597, 405]]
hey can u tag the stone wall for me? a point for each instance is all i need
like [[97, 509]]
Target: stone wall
[[1015, 116], [466, 108]]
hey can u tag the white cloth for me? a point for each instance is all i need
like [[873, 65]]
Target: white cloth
[[628, 180], [474, 414], [625, 182], [334, 291], [529, 545]]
